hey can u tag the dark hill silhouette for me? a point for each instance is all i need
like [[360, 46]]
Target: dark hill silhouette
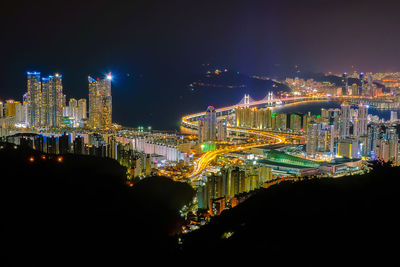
[[304, 222], [80, 210]]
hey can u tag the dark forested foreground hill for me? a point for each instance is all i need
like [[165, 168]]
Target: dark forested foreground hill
[[78, 210], [316, 221]]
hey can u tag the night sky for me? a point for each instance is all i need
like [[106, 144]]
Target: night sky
[[155, 48]]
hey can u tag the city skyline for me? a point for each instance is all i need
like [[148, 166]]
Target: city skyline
[[194, 129], [253, 39]]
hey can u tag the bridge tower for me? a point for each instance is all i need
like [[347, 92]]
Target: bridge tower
[[270, 96], [247, 100]]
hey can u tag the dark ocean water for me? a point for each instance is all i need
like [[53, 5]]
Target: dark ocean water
[[161, 102]]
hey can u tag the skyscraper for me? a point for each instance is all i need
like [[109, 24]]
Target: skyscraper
[[211, 124], [393, 116], [295, 122], [201, 130], [73, 107], [100, 103], [46, 110], [362, 120], [1, 109], [52, 101], [81, 109], [34, 92], [369, 85], [362, 91], [344, 120], [222, 131], [345, 81], [312, 139]]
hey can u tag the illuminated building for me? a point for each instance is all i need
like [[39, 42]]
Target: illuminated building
[[34, 92], [238, 116], [344, 123], [393, 116], [306, 119], [207, 146], [348, 148], [362, 89], [295, 122], [369, 86], [148, 165], [100, 103], [222, 130], [81, 109], [19, 112], [362, 118], [386, 147], [52, 101], [345, 81], [219, 191], [374, 134], [354, 90], [9, 108], [273, 120], [324, 113], [253, 118], [312, 139], [281, 157], [46, 110], [268, 118], [73, 108], [393, 139], [281, 121], [286, 165], [210, 124], [201, 130], [326, 138]]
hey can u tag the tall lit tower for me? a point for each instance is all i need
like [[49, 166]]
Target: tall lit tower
[[312, 139], [34, 92], [73, 106], [52, 101], [211, 124], [73, 109], [45, 116], [369, 86], [345, 80], [81, 109], [344, 120], [100, 103], [362, 76], [362, 120], [222, 130]]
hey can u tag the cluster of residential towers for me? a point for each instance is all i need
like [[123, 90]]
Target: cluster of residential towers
[[44, 104]]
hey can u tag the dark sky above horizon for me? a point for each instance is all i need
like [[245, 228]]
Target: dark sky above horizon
[[164, 39]]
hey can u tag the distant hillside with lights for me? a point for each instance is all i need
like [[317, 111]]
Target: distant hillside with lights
[[337, 80]]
